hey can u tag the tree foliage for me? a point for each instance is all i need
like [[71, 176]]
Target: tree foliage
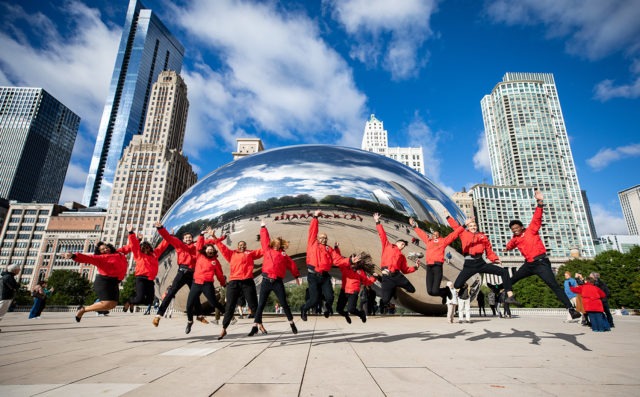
[[70, 288], [128, 288]]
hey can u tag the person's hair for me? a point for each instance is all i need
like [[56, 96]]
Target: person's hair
[[147, 245], [189, 233], [100, 243], [203, 251], [366, 263], [404, 241], [567, 273], [12, 268], [591, 280], [284, 244], [515, 222]]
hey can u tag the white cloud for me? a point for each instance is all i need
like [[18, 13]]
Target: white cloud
[[481, 161], [607, 222], [420, 134], [594, 30], [391, 30], [277, 75], [606, 156], [71, 194], [76, 175]]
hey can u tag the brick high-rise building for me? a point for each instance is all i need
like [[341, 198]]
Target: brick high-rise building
[[152, 172]]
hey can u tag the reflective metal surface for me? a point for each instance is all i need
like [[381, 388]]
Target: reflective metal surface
[[284, 186]]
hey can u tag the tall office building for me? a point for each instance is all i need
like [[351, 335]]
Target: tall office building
[[630, 203], [153, 172], [247, 146], [37, 134], [375, 140], [146, 49], [529, 147]]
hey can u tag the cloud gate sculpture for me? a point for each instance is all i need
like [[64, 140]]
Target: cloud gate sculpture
[[285, 186]]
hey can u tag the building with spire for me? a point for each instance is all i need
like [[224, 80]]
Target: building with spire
[[146, 49], [152, 172], [375, 139]]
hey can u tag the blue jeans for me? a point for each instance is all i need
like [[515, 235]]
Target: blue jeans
[[35, 310]]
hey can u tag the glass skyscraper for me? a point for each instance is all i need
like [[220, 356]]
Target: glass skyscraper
[[146, 49], [37, 134], [529, 148]]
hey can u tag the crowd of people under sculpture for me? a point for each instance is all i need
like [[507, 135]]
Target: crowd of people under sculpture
[[198, 266]]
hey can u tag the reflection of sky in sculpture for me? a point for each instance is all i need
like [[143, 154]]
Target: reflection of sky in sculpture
[[315, 170]]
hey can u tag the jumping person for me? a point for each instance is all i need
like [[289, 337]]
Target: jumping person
[[112, 268], [474, 245], [354, 275], [274, 267], [528, 242], [146, 259], [207, 265], [393, 265], [434, 256], [240, 283], [320, 258], [186, 255]]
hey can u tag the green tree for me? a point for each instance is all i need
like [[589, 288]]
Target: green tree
[[533, 292], [70, 288], [128, 288]]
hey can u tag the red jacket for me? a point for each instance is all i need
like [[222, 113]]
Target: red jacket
[[351, 279], [186, 254], [474, 243], [529, 242], [321, 256], [110, 265], [275, 263], [392, 257], [591, 297], [240, 263], [206, 267], [436, 246], [146, 265]]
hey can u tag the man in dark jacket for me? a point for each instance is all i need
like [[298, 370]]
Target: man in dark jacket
[[605, 301], [8, 288]]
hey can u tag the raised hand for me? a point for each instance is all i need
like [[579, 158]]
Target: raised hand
[[158, 224], [376, 217], [412, 222]]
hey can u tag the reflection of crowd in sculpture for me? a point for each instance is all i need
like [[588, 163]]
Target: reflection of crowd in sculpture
[[198, 263]]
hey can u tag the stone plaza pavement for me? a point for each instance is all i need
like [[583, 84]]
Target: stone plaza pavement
[[123, 354]]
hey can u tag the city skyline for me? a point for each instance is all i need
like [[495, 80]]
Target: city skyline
[[293, 73]]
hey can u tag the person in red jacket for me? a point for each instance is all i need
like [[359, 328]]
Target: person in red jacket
[[240, 283], [474, 245], [274, 267], [207, 266], [112, 268], [528, 242], [434, 256], [353, 276], [592, 300], [393, 265], [186, 254], [146, 259], [320, 258]]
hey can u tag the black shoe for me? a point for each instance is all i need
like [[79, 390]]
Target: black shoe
[[326, 314], [222, 334], [125, 307], [78, 318], [512, 301], [303, 313], [294, 329], [574, 313], [188, 329], [348, 318], [254, 330], [363, 317], [130, 308]]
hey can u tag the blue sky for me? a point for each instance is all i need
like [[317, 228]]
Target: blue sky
[[313, 72]]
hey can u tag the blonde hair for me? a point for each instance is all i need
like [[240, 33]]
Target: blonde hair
[[284, 244]]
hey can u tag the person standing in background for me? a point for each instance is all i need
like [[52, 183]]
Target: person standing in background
[[8, 288]]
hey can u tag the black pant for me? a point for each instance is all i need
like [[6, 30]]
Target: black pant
[[607, 311], [474, 266], [542, 268], [277, 286], [182, 278], [434, 278], [350, 301], [319, 284], [235, 290], [209, 292], [389, 284], [144, 291]]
